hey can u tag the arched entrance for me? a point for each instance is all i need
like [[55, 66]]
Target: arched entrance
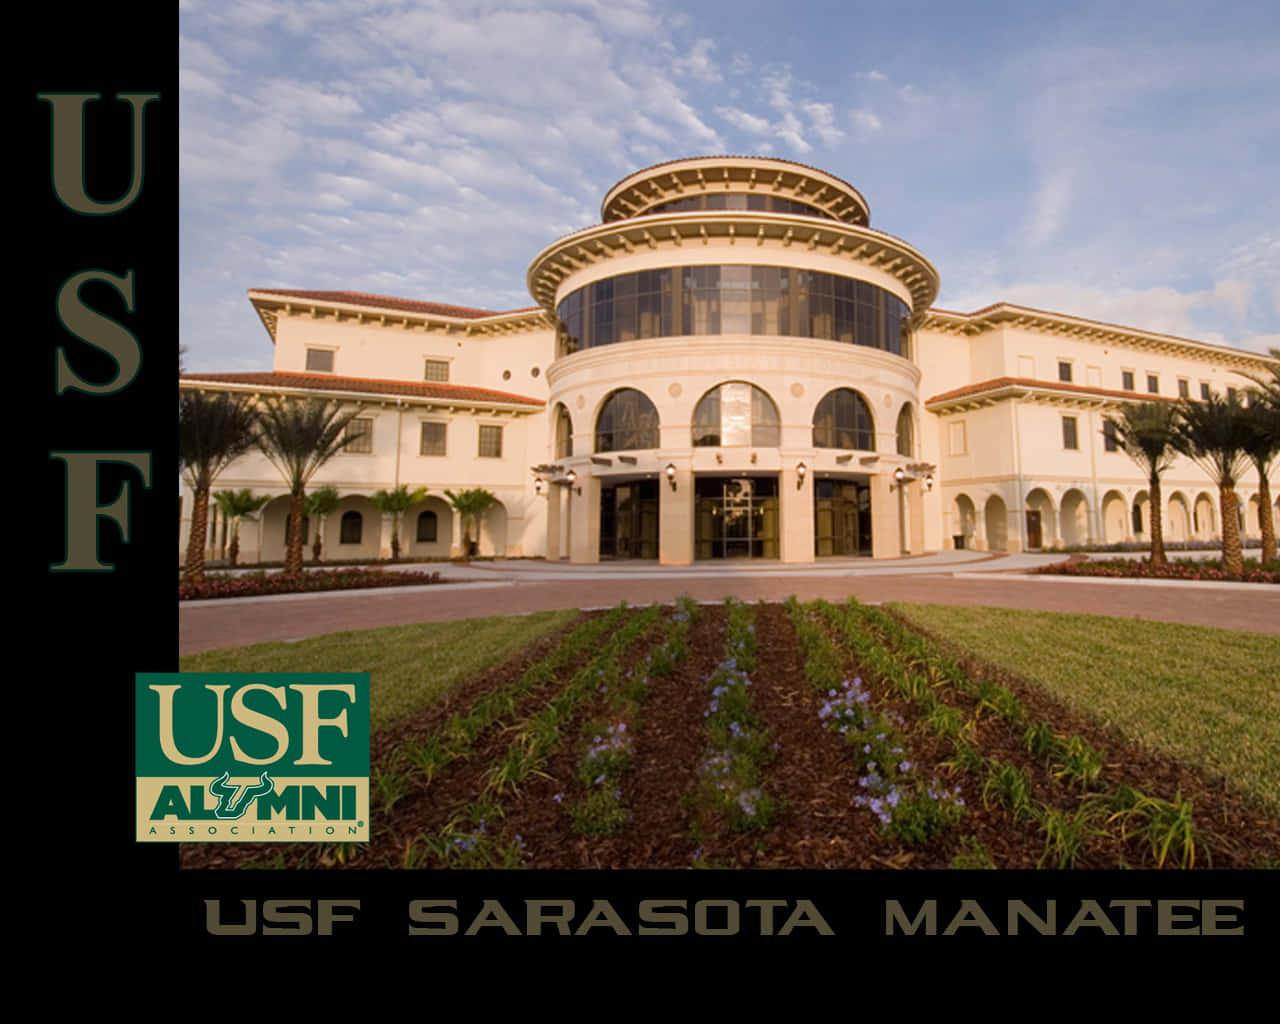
[[997, 518]]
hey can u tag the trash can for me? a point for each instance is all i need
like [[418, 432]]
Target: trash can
[[959, 539]]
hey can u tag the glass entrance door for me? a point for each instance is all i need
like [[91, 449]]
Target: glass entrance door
[[736, 517], [629, 520], [841, 517]]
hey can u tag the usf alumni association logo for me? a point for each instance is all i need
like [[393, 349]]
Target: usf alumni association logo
[[255, 757]]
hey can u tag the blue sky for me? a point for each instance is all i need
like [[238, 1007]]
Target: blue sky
[[1111, 160]]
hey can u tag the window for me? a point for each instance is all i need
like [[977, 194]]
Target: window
[[1153, 384], [564, 433], [628, 421], [361, 434], [1184, 388], [906, 432], [438, 370], [1069, 433], [320, 360], [1064, 371], [1232, 395], [843, 420], [490, 442], [427, 527], [1137, 518], [1126, 380], [1109, 439], [736, 414], [1204, 392], [352, 528], [433, 435]]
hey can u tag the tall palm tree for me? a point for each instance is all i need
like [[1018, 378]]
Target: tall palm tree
[[1215, 434], [235, 506], [1147, 433], [298, 437], [321, 503], [1262, 447], [213, 430], [396, 503], [469, 505]]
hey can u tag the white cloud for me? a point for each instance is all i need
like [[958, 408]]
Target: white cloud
[[865, 121], [1049, 207], [743, 121]]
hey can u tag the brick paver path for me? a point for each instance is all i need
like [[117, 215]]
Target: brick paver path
[[213, 624]]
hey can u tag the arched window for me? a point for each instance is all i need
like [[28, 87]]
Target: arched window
[[427, 527], [352, 528], [843, 420], [906, 432], [564, 433], [735, 414], [1137, 518], [627, 421]]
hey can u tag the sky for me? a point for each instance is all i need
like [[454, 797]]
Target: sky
[[1116, 161]]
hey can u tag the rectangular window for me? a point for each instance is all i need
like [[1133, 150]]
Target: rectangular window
[[438, 370], [1204, 392], [1064, 371], [1153, 383], [1232, 394], [1126, 380], [959, 445], [1109, 440], [433, 436], [490, 442], [1184, 388], [361, 433], [319, 360], [1069, 433]]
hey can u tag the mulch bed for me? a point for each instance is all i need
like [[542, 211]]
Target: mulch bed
[[812, 775]]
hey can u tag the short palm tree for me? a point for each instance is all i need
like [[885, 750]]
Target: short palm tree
[[321, 503], [235, 506], [1215, 434], [469, 505], [395, 503], [298, 437], [213, 430], [1147, 433], [1262, 448]]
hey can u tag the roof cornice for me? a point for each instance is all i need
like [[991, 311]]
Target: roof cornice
[[1004, 314], [384, 311], [751, 230], [1049, 392], [362, 390]]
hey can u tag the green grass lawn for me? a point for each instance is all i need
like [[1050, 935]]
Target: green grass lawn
[[409, 666], [1207, 696]]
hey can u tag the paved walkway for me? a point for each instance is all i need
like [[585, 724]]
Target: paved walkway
[[512, 587]]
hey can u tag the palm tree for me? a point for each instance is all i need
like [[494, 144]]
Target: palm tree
[[396, 503], [237, 505], [1147, 432], [298, 437], [1263, 446], [1215, 433], [213, 430], [469, 505], [321, 504]]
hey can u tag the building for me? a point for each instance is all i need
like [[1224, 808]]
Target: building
[[732, 364]]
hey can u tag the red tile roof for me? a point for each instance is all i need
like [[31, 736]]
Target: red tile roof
[[387, 302], [366, 385], [998, 383]]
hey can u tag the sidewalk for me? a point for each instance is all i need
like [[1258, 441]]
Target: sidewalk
[[507, 587]]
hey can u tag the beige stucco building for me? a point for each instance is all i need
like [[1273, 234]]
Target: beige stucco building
[[732, 364]]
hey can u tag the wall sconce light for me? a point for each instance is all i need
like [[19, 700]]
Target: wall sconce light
[[671, 474], [572, 477], [928, 482], [899, 478], [801, 470], [537, 486]]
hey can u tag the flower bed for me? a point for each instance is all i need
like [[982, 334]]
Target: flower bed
[[1182, 569], [260, 583]]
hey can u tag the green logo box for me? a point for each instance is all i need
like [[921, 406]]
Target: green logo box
[[252, 757]]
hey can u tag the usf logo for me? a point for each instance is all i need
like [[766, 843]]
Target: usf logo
[[266, 757]]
